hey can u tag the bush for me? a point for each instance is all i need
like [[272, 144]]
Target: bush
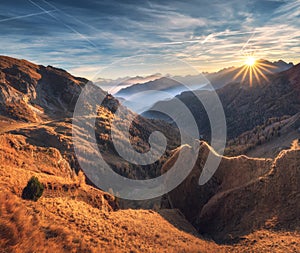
[[34, 189]]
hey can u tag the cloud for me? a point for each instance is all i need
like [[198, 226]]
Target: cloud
[[85, 35]]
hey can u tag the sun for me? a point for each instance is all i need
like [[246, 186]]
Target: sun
[[250, 61], [254, 70]]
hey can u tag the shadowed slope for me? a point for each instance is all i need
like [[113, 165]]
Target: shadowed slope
[[242, 196]]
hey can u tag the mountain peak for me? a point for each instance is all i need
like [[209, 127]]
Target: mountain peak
[[26, 86]]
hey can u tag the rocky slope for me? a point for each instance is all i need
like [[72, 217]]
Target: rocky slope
[[266, 140], [72, 216], [36, 106], [30, 92], [45, 98], [246, 107], [244, 195]]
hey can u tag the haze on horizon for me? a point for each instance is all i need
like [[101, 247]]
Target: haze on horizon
[[84, 37]]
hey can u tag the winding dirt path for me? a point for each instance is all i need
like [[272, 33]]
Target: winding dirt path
[[7, 125]]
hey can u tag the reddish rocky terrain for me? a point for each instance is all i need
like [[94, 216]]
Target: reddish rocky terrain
[[250, 204]]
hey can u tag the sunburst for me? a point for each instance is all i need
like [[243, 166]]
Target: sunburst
[[254, 69], [250, 61]]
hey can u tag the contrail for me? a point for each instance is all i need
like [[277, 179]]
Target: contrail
[[26, 16], [206, 39], [246, 44], [78, 20], [69, 27]]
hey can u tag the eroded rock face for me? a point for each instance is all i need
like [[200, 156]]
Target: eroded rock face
[[243, 195], [27, 90]]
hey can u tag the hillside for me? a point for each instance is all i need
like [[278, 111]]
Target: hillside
[[38, 102], [244, 195], [266, 140], [72, 216], [250, 203], [245, 107], [31, 93]]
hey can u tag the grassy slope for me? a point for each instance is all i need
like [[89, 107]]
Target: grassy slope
[[72, 221]]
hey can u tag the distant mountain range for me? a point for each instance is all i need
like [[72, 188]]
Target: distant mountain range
[[129, 85], [140, 97], [245, 107], [114, 85], [225, 76], [136, 98]]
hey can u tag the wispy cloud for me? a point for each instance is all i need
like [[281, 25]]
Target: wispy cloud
[[83, 36], [26, 16]]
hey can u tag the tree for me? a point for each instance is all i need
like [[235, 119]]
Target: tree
[[34, 189]]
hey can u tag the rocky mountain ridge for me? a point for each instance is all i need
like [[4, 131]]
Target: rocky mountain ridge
[[245, 194], [247, 200], [245, 106]]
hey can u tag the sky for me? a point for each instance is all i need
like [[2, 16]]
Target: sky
[[84, 37]]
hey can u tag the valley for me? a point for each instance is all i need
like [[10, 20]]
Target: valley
[[248, 203]]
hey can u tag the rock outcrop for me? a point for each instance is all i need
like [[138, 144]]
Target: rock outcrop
[[30, 92], [244, 194]]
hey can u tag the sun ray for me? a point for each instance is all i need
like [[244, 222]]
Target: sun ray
[[265, 69], [245, 74], [255, 73], [262, 74], [250, 75], [267, 65], [240, 72]]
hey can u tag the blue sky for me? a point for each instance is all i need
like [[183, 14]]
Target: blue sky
[[83, 36]]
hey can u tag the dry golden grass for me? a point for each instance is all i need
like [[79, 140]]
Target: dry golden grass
[[268, 241], [123, 230], [15, 151], [66, 225], [80, 219], [21, 230]]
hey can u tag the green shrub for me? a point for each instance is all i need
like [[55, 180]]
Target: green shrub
[[34, 189]]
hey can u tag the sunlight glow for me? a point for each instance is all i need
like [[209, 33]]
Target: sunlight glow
[[254, 70], [250, 61]]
